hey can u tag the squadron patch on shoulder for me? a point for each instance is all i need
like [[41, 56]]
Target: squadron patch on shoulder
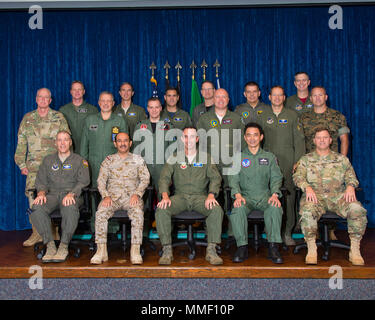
[[85, 163]]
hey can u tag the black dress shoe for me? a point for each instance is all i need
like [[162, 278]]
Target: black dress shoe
[[241, 254], [274, 254]]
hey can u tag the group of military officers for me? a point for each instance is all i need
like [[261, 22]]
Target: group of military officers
[[254, 150]]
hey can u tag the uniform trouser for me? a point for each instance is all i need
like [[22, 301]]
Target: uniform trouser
[[40, 217], [179, 203], [311, 213], [225, 184], [272, 221], [135, 214]]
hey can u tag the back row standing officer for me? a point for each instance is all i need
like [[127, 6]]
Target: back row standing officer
[[284, 137], [253, 108], [131, 112], [76, 112], [171, 113], [300, 102]]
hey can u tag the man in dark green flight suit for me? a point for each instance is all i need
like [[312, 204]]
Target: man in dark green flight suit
[[171, 113], [197, 182], [256, 186], [300, 102], [253, 108], [131, 112], [98, 135], [76, 112], [283, 136]]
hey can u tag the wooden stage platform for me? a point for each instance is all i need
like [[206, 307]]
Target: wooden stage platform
[[15, 262]]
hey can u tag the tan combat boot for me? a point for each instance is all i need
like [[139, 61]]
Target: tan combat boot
[[62, 253], [167, 256], [101, 254], [135, 254], [312, 256], [355, 254], [211, 255], [50, 253], [33, 239]]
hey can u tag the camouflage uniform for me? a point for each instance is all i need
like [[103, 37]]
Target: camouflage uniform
[[328, 176], [120, 179], [36, 139], [250, 114], [295, 103], [76, 115], [133, 115], [331, 119]]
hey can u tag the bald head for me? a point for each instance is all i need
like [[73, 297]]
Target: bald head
[[221, 99]]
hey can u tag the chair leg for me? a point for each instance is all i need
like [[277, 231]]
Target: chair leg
[[325, 243], [256, 238], [191, 242]]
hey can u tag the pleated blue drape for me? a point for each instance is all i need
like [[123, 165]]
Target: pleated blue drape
[[105, 48]]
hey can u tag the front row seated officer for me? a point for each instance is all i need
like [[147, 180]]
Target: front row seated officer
[[59, 183], [190, 178], [123, 179], [328, 182], [256, 187]]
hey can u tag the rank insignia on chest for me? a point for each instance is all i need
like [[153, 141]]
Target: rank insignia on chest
[[245, 114], [93, 127], [246, 163], [82, 110], [227, 121], [263, 162], [283, 121], [213, 123], [298, 107], [55, 167], [269, 120], [143, 126], [178, 119], [67, 166], [183, 165], [131, 114], [198, 164]]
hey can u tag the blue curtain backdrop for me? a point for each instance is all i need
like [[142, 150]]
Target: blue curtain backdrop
[[105, 48]]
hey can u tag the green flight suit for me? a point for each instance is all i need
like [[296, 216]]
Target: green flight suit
[[283, 136], [199, 110], [133, 116], [295, 103], [250, 114], [230, 122], [97, 143], [58, 179], [180, 119], [154, 163], [192, 182], [75, 116], [258, 179]]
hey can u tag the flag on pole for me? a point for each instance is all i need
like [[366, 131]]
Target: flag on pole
[[154, 87], [195, 96], [217, 83]]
